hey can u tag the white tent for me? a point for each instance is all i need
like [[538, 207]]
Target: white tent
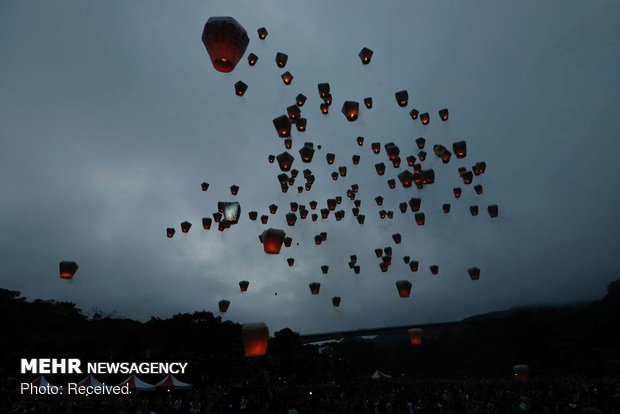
[[136, 384], [380, 375], [171, 383], [90, 381]]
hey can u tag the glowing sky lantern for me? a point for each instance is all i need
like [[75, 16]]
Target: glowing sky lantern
[[240, 88], [67, 269], [272, 240], [402, 98], [415, 336], [444, 114], [283, 125], [255, 338], [243, 285], [404, 288], [350, 110], [315, 288], [185, 226], [226, 41], [287, 78], [262, 33], [252, 59], [365, 55], [281, 59], [170, 232], [368, 102]]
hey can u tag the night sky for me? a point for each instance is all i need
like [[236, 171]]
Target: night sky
[[111, 115]]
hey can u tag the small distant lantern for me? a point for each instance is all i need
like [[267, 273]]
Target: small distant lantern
[[324, 269], [303, 213], [291, 219], [253, 215], [474, 273], [457, 192], [378, 253], [406, 179], [324, 213], [301, 124], [361, 218], [217, 217], [396, 162], [288, 143], [255, 338], [397, 238], [413, 265], [285, 161], [425, 118], [234, 189], [331, 204], [360, 141], [328, 99], [287, 78], [355, 159], [402, 98], [293, 112], [264, 219], [479, 168], [445, 156], [365, 55], [404, 288], [262, 33], [406, 259], [420, 219], [67, 269], [434, 269], [243, 285], [375, 147], [170, 232], [446, 208], [273, 208], [315, 287], [272, 240], [342, 170], [185, 226], [521, 373], [414, 114], [288, 241], [388, 251], [330, 158], [281, 59], [368, 102], [350, 110], [493, 210], [283, 126], [379, 200], [300, 99], [380, 168], [422, 156], [336, 301], [428, 176], [271, 158], [382, 214], [223, 305], [410, 160], [478, 189], [460, 149], [240, 88], [391, 183], [420, 142], [323, 90], [392, 150], [324, 108], [415, 336], [252, 59], [204, 186], [415, 204], [313, 204], [467, 177], [318, 239], [384, 267], [402, 207], [335, 175], [443, 114]]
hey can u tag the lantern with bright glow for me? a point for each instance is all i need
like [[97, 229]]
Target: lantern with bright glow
[[255, 338], [323, 90], [425, 118], [272, 240], [252, 59], [350, 110], [415, 336], [287, 78], [262, 33], [226, 41], [414, 114], [365, 55], [406, 179], [404, 288], [285, 161], [420, 219], [283, 126], [443, 114], [420, 142], [368, 102], [67, 269], [306, 153], [300, 99], [281, 59], [324, 108], [375, 147], [234, 189], [457, 192], [380, 168], [460, 149]]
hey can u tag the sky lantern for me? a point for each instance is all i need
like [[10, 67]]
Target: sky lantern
[[290, 261], [473, 210], [384, 267], [283, 126], [360, 141], [402, 207], [232, 212], [291, 219], [313, 204], [391, 183], [217, 217], [288, 241], [443, 114], [375, 147], [365, 55], [323, 90], [521, 373], [300, 99], [240, 88], [446, 208], [273, 208], [356, 269], [272, 240], [350, 110], [252, 59], [462, 170], [301, 124], [474, 273], [392, 150], [390, 214], [293, 112], [324, 269], [479, 168], [281, 59], [434, 269], [285, 160], [330, 158], [225, 40], [422, 156], [413, 265], [328, 99], [271, 158], [331, 204], [420, 219], [478, 189], [378, 252], [397, 238], [388, 251], [324, 108], [414, 114], [67, 269], [410, 160], [415, 204], [234, 189], [243, 285], [358, 203], [262, 33], [406, 178], [457, 192], [306, 153], [255, 338], [335, 175], [460, 149], [204, 186], [404, 288], [253, 215], [415, 336], [282, 178], [206, 223], [303, 213], [315, 287], [170, 232], [355, 159], [342, 170], [288, 143], [287, 78], [428, 176], [425, 118], [324, 213], [406, 259], [223, 305], [445, 156], [438, 149], [402, 98], [264, 219], [493, 210], [185, 226], [382, 214], [380, 168], [368, 102], [420, 142], [318, 239], [361, 218], [396, 162], [294, 206], [336, 301], [379, 200]]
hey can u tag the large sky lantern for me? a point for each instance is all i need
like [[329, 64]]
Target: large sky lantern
[[281, 59], [493, 210], [368, 102], [425, 118], [350, 109], [243, 285], [204, 186], [460, 149], [255, 338], [300, 99], [206, 223], [414, 114], [67, 269], [283, 126], [473, 209], [474, 273], [306, 153], [223, 305], [413, 265], [444, 114], [402, 98], [170, 232], [285, 161], [420, 219], [415, 336], [287, 78], [226, 41], [301, 124], [406, 179], [252, 59], [434, 269], [521, 372], [240, 88], [315, 288], [185, 226], [232, 212], [291, 219], [262, 33], [272, 240], [404, 288], [365, 55], [420, 142], [336, 301], [323, 90]]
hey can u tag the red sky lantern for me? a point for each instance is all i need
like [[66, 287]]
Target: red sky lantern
[[324, 108], [234, 189], [467, 177], [170, 232], [226, 41], [425, 118], [434, 269], [479, 168], [474, 273], [342, 171], [331, 204], [415, 336], [392, 150], [243, 285], [217, 217], [252, 59], [300, 99], [330, 158], [287, 78], [185, 226], [223, 305], [460, 149], [240, 88], [422, 156], [420, 219], [443, 114], [293, 112], [283, 126], [255, 338], [360, 141], [410, 160], [428, 176], [350, 110], [415, 204], [493, 210], [272, 240], [271, 158], [478, 189], [262, 33], [315, 287], [67, 269], [288, 143], [379, 200], [365, 55], [402, 207], [306, 153], [391, 183], [406, 179], [335, 175], [368, 102], [328, 99], [404, 288], [457, 192], [273, 208], [281, 59], [324, 213], [204, 186], [402, 98]]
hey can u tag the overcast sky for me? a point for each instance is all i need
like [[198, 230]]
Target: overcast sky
[[111, 115]]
